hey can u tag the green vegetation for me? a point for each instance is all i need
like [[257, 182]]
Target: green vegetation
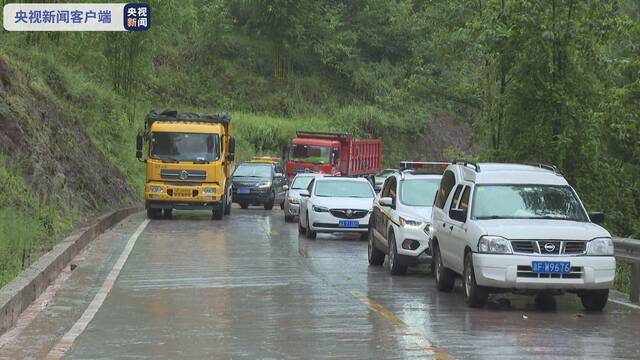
[[530, 81]]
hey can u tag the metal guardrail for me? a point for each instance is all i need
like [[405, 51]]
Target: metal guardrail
[[628, 251]]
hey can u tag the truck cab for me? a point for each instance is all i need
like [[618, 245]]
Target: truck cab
[[336, 154], [189, 159]]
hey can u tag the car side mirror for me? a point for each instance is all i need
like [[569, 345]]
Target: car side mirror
[[597, 217], [285, 187], [386, 201], [139, 146], [304, 193], [458, 215]]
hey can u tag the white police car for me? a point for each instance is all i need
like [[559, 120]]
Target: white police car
[[518, 227], [400, 223]]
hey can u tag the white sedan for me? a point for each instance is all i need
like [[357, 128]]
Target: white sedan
[[334, 204]]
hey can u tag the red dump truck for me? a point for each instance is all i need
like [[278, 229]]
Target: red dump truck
[[332, 153]]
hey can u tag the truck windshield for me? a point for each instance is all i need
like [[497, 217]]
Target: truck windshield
[[301, 182], [341, 188], [184, 146], [526, 202], [310, 154], [418, 192], [253, 170]]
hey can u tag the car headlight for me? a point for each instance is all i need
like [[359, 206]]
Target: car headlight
[[410, 223], [209, 191], [494, 245], [600, 246], [293, 200], [317, 208], [155, 189], [264, 184]]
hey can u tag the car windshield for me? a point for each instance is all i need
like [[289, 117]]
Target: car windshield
[[169, 146], [418, 192], [526, 202], [310, 154], [341, 188], [301, 182], [253, 170]]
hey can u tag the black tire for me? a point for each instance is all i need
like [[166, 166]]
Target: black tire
[[282, 205], [364, 236], [217, 213], [301, 229], [288, 218], [269, 204], [168, 214], [244, 205], [396, 267], [227, 208], [594, 300], [445, 278], [476, 296], [310, 233], [375, 255], [153, 213], [545, 301]]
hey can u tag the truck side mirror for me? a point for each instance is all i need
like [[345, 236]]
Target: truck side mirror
[[139, 145], [231, 155], [597, 217]]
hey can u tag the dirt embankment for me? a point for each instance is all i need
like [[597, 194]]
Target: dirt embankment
[[54, 153]]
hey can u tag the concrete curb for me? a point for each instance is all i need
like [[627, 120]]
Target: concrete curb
[[17, 295]]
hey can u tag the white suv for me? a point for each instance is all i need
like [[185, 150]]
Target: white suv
[[400, 223], [521, 228]]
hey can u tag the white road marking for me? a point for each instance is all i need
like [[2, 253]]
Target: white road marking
[[625, 304], [70, 337]]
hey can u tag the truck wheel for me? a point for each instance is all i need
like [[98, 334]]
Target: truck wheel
[[396, 267], [269, 204], [445, 278], [168, 213], [594, 300], [376, 257], [244, 205], [475, 296], [218, 212], [153, 213]]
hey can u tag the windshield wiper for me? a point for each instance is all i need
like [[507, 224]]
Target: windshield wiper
[[169, 160], [200, 161], [493, 217]]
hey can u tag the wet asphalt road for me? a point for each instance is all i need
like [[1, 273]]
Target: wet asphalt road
[[250, 287]]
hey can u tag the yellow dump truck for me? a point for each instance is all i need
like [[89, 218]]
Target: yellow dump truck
[[189, 161]]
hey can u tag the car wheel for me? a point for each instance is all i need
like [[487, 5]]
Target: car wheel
[[396, 267], [244, 205], [475, 296], [445, 278], [227, 208], [301, 229], [282, 205], [310, 233], [376, 257], [364, 236], [288, 218], [269, 204], [594, 300]]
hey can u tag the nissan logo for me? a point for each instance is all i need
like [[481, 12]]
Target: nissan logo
[[184, 174], [549, 247]]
